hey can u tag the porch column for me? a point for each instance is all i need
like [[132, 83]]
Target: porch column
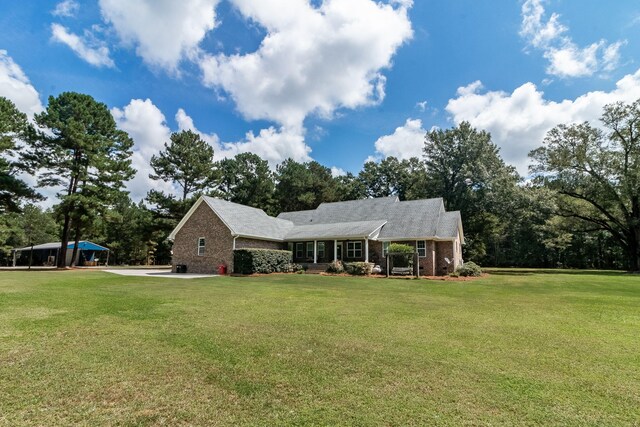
[[366, 249], [335, 250], [315, 251]]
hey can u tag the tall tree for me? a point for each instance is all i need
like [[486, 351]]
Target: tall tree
[[81, 150], [303, 186], [597, 174], [32, 226], [390, 176], [187, 162], [464, 167], [350, 187], [15, 131], [246, 179]]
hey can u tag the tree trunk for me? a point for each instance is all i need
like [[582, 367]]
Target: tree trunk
[[75, 246], [633, 254], [62, 258]]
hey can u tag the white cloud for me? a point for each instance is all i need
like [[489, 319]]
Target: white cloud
[[566, 59], [15, 86], [146, 124], [336, 171], [519, 121], [66, 8], [405, 142], [313, 60], [422, 106], [88, 48], [163, 32], [273, 145]]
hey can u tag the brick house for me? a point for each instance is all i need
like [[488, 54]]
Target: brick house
[[357, 230]]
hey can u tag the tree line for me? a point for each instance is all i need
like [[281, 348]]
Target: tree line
[[579, 207]]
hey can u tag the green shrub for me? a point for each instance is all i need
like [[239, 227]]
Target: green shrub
[[359, 268], [402, 255], [400, 248], [249, 261], [335, 267], [469, 269]]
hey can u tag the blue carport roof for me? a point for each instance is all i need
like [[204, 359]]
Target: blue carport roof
[[83, 245], [88, 246]]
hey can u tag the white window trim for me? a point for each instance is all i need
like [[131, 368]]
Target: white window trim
[[309, 250], [201, 246], [385, 248], [351, 249], [418, 249], [321, 251], [301, 251]]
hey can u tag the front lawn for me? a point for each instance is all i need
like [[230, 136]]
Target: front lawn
[[516, 347]]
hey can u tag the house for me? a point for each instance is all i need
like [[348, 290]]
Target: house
[[46, 254], [357, 230]]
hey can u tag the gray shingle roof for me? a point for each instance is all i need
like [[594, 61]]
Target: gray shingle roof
[[356, 229], [448, 224], [416, 219], [409, 219], [247, 221]]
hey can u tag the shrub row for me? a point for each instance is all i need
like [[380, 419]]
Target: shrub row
[[249, 261], [354, 268]]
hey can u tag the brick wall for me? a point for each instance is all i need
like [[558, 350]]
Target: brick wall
[[444, 250], [244, 243], [218, 243]]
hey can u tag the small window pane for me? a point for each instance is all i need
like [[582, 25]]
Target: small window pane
[[422, 248], [320, 249], [309, 249], [201, 246], [299, 250]]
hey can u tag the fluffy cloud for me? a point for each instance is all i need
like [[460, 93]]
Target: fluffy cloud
[[273, 145], [313, 60], [146, 124], [163, 32], [15, 85], [566, 59], [66, 8], [87, 48], [405, 142], [519, 121]]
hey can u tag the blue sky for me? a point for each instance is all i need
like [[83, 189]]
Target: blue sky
[[339, 81]]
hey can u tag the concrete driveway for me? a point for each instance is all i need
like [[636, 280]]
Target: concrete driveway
[[147, 272]]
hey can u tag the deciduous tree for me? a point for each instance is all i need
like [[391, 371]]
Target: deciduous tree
[[596, 174]]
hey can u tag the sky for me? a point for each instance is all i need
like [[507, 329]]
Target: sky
[[337, 81]]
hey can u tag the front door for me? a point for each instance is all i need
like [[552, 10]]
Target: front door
[[339, 251]]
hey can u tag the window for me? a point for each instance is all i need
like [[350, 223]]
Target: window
[[385, 248], [421, 245], [290, 247], [299, 250], [201, 246], [309, 249], [320, 249], [354, 249]]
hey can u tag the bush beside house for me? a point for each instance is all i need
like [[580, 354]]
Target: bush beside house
[[249, 261], [469, 269]]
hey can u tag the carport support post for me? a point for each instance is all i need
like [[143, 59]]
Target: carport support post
[[106, 263], [315, 251]]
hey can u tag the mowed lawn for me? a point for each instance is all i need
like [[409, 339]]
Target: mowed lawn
[[516, 347]]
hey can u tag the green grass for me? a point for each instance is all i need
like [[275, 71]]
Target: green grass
[[519, 347]]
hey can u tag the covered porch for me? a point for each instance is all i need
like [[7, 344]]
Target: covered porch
[[324, 243]]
